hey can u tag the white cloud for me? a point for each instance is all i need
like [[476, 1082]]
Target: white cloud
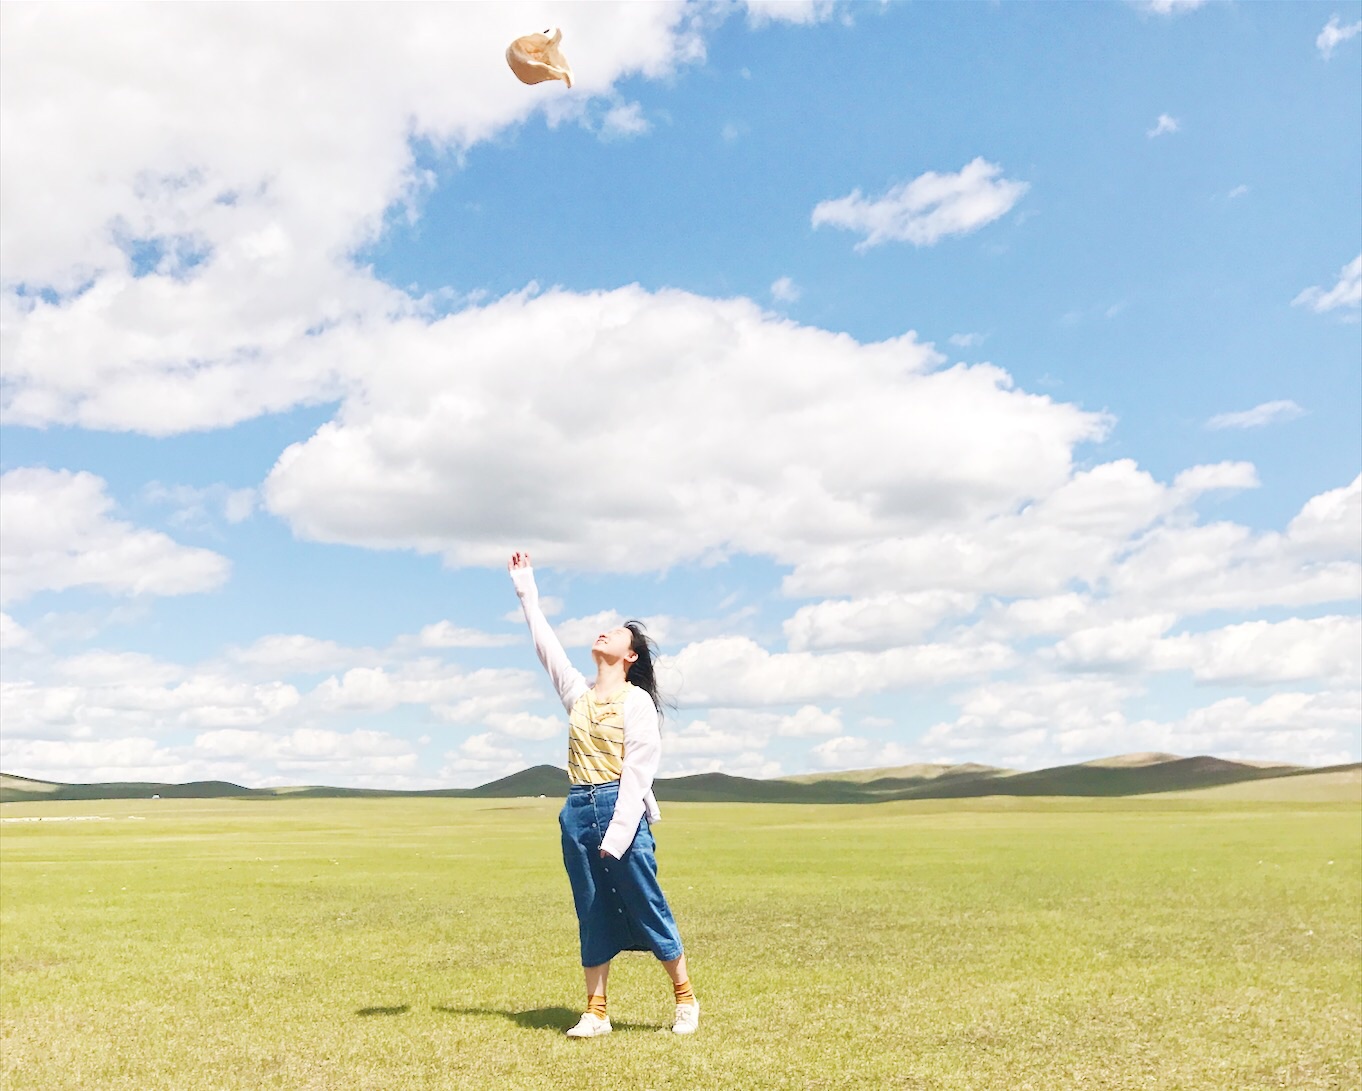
[[737, 671], [480, 758], [581, 632], [1334, 34], [966, 340], [312, 749], [445, 634], [1237, 191], [1326, 649], [1168, 7], [1165, 124], [1258, 416], [202, 256], [762, 12], [876, 621], [137, 698], [60, 533], [12, 634], [197, 508], [522, 725], [623, 120], [854, 752], [851, 442], [288, 653], [1346, 293], [1047, 721], [1329, 526], [250, 758], [785, 290], [1072, 533], [926, 209]]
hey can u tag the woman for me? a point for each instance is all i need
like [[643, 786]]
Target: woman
[[614, 745]]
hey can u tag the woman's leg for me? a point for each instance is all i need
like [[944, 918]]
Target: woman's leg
[[596, 977], [676, 970]]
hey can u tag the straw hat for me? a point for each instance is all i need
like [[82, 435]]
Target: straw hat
[[535, 58]]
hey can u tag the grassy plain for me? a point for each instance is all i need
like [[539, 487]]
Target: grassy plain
[[1011, 944]]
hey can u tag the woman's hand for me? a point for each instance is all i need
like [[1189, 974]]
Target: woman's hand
[[605, 855], [518, 560]]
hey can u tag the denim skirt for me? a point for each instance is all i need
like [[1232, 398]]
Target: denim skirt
[[620, 906]]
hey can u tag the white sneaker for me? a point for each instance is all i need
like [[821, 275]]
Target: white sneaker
[[590, 1026], [687, 1018]]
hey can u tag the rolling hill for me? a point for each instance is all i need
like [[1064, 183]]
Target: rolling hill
[[1123, 775]]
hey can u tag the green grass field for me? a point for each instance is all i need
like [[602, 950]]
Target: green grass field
[[1193, 942]]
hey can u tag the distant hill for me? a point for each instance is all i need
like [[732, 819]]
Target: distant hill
[[1123, 775]]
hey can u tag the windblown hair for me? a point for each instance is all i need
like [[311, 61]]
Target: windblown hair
[[641, 671]]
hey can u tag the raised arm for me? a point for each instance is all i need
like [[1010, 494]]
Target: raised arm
[[567, 680]]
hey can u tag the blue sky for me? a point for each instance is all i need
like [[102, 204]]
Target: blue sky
[[944, 382]]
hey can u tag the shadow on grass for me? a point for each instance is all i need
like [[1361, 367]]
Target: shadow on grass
[[397, 1009], [554, 1019]]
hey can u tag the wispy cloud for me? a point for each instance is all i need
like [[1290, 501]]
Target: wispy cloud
[[1237, 191], [1165, 124], [966, 340], [1168, 7], [1334, 34], [624, 120], [1346, 293], [762, 12], [785, 290], [926, 209], [1258, 416]]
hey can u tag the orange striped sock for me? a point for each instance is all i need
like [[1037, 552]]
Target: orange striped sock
[[684, 994], [595, 1005]]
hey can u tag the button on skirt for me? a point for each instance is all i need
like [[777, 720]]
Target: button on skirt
[[620, 906]]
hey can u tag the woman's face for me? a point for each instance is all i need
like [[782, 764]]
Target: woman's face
[[616, 644]]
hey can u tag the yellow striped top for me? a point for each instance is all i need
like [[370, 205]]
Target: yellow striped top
[[596, 737]]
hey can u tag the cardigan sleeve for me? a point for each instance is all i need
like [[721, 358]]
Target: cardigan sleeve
[[567, 679], [642, 753]]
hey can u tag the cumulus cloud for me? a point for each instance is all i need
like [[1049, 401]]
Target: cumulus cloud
[[784, 290], [134, 701], [12, 634], [293, 652], [1325, 649], [854, 440], [926, 209], [1346, 293], [445, 634], [1258, 416], [1049, 721], [173, 265], [478, 759], [855, 752], [876, 621], [251, 758], [1335, 34], [60, 533], [737, 671]]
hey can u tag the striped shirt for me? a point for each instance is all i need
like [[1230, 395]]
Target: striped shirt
[[618, 738], [596, 737]]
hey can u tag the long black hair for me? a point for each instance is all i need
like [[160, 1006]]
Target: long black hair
[[642, 672]]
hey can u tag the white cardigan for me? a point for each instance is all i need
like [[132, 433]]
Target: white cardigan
[[642, 735]]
